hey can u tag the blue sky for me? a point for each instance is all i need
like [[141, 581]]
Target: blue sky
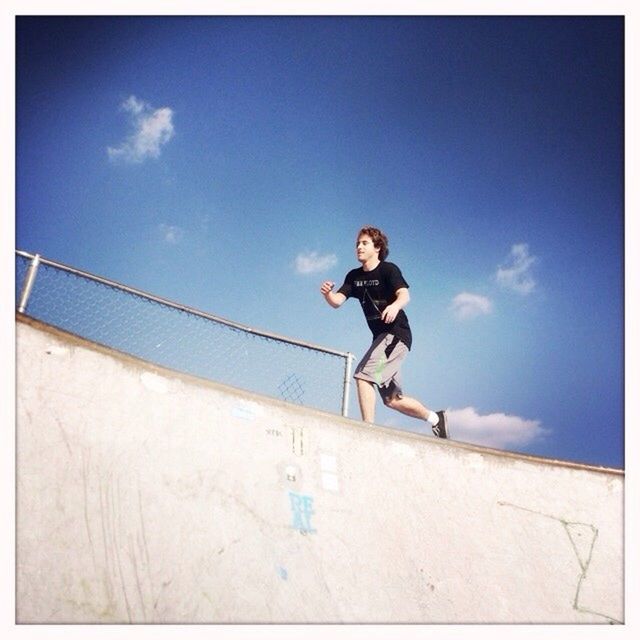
[[227, 163]]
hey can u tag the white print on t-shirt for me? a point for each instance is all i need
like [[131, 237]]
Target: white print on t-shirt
[[366, 283]]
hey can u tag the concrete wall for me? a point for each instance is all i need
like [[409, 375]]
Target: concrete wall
[[144, 495]]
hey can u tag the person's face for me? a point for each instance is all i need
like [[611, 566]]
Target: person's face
[[365, 250]]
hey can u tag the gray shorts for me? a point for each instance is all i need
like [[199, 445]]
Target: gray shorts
[[381, 365]]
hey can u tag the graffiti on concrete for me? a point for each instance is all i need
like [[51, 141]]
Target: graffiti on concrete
[[583, 551], [297, 441], [301, 511]]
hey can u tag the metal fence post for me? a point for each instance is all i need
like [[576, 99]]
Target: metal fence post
[[28, 283], [347, 385]]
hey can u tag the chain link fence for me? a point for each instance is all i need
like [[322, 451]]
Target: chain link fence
[[184, 339]]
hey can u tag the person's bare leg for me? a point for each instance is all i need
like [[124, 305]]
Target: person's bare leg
[[367, 399], [409, 406], [415, 409]]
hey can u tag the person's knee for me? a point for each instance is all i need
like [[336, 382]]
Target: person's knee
[[391, 401]]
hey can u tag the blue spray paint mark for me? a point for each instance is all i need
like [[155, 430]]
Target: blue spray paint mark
[[301, 510]]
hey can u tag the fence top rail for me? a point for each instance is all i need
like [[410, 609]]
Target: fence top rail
[[182, 307]]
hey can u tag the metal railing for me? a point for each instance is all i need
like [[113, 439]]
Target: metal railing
[[180, 337]]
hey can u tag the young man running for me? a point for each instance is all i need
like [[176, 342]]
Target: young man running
[[383, 293]]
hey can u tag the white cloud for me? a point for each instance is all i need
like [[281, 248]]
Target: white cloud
[[170, 233], [133, 104], [497, 430], [152, 129], [314, 263], [470, 305], [516, 273]]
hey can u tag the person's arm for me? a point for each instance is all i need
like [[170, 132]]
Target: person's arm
[[333, 299], [402, 300]]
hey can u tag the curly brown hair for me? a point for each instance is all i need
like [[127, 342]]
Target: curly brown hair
[[380, 241]]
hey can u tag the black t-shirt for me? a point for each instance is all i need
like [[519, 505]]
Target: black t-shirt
[[376, 290]]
